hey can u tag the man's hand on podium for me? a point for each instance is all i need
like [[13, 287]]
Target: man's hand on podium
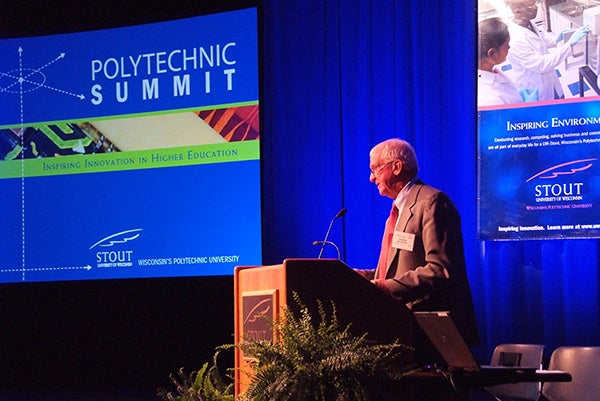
[[363, 273], [381, 284]]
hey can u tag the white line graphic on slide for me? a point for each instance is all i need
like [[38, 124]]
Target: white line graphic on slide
[[43, 269], [22, 80]]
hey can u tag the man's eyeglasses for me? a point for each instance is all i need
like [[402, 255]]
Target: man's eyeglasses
[[378, 168]]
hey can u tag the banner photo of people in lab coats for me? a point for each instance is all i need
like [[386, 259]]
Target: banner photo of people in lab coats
[[131, 152], [538, 106]]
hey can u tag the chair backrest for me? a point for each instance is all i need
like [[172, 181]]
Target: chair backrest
[[525, 355], [582, 363]]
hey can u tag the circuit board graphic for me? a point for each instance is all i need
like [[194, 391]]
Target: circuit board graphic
[[50, 141], [64, 139]]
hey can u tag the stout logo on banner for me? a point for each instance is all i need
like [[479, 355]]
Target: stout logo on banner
[[568, 189]]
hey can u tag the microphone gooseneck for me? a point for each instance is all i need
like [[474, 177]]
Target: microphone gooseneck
[[323, 243], [326, 239]]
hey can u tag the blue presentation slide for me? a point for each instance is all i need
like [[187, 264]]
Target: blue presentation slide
[[131, 152]]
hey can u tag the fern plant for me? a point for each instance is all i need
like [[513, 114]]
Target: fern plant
[[207, 384], [320, 362]]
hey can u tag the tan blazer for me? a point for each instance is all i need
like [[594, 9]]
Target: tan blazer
[[433, 276]]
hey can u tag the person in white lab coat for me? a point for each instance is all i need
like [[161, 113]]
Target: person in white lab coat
[[493, 86], [533, 64]]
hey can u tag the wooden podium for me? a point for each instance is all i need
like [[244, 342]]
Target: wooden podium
[[265, 290]]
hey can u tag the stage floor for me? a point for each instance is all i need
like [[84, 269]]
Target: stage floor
[[116, 395]]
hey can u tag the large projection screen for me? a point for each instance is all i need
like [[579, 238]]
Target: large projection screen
[[538, 155], [131, 152]]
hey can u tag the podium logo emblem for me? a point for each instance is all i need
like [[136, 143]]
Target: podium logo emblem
[[258, 316]]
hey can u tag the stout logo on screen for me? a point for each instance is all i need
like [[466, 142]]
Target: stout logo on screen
[[108, 256]]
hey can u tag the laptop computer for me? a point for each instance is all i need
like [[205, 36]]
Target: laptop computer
[[447, 340]]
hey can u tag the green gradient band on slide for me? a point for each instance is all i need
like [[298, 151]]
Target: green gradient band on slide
[[133, 160]]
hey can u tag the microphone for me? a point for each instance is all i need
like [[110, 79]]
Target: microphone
[[326, 239], [323, 243]]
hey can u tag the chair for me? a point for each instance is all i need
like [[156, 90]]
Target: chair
[[582, 363], [525, 355]]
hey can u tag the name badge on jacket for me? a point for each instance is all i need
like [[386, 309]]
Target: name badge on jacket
[[404, 241]]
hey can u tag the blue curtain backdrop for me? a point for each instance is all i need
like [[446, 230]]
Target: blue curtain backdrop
[[341, 76]]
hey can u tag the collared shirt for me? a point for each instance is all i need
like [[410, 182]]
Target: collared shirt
[[401, 198]]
